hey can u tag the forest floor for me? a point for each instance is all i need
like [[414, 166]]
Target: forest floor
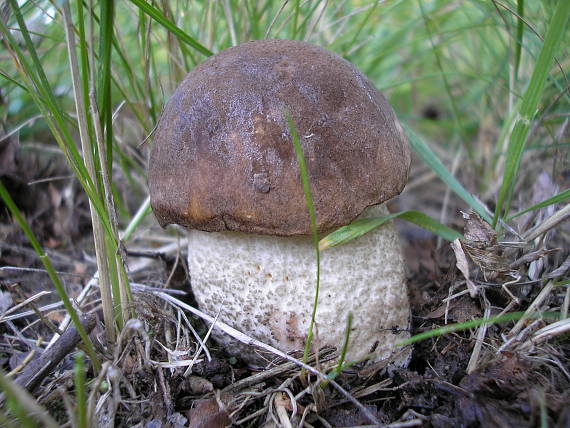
[[509, 374]]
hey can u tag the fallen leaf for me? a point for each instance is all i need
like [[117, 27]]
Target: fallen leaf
[[477, 231], [460, 310], [198, 385], [55, 316], [481, 246], [283, 400], [463, 265], [208, 414]]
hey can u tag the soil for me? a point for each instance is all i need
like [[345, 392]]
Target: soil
[[520, 383]]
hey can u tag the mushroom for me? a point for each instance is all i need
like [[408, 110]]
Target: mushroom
[[223, 165]]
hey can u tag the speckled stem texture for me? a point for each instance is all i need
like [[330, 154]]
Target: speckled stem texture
[[264, 286]]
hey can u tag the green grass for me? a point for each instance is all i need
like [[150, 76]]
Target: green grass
[[528, 107], [451, 328], [79, 379], [22, 406], [359, 227]]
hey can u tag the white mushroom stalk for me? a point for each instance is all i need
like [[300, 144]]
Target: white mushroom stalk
[[265, 285]]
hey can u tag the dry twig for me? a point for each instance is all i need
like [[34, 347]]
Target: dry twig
[[40, 367]]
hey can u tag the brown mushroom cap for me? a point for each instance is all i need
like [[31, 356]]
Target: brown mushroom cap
[[223, 158]]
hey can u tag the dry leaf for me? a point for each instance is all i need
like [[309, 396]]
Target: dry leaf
[[199, 386], [480, 245], [208, 414], [283, 400], [478, 233], [55, 316], [460, 310], [463, 265]]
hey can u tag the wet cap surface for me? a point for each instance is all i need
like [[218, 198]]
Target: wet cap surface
[[223, 159]]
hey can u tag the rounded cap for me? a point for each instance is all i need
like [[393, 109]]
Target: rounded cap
[[223, 157]]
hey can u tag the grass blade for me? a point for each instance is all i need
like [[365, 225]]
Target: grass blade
[[556, 199], [86, 137], [79, 376], [159, 17], [297, 6], [230, 21], [104, 101], [430, 158], [53, 115], [13, 81], [476, 323], [454, 108], [26, 404], [556, 30], [359, 227], [519, 38], [313, 218], [342, 358]]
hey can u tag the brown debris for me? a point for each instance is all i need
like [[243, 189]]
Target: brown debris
[[39, 368], [460, 309], [208, 414], [505, 394], [481, 245]]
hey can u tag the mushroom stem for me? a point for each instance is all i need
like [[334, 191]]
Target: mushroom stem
[[265, 285]]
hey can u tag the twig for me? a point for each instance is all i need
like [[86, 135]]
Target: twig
[[167, 401], [25, 269], [39, 368], [566, 304], [174, 265], [519, 337], [67, 319], [24, 303], [161, 252], [560, 270], [252, 416], [412, 423], [95, 278], [47, 322], [531, 257], [19, 335], [23, 364], [533, 307], [481, 333], [550, 331], [380, 386], [27, 122], [549, 223], [202, 344]]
